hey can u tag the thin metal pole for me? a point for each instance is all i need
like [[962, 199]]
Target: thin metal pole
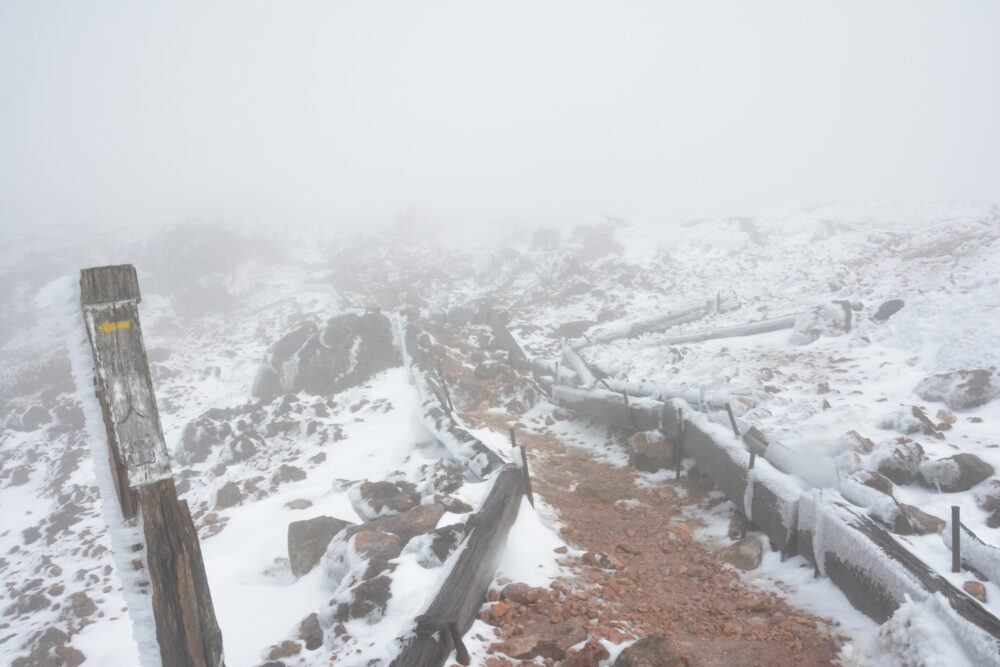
[[732, 419], [527, 476], [956, 540]]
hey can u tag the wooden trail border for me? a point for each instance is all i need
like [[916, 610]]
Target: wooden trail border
[[873, 569], [457, 602], [186, 628]]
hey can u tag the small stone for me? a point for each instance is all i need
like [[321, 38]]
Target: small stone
[[946, 416], [522, 593], [298, 504], [81, 605], [857, 442], [369, 600], [653, 651], [228, 496], [745, 554], [922, 521], [287, 473], [285, 649], [877, 481], [976, 589], [372, 544], [310, 632], [591, 655]]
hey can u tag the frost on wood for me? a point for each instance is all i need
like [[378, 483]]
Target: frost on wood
[[976, 554], [61, 297]]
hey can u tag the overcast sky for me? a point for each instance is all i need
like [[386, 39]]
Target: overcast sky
[[536, 111]]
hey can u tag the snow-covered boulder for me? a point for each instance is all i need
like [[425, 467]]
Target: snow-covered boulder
[[650, 451], [955, 473], [887, 310], [346, 352], [900, 462], [988, 500], [309, 539], [828, 319], [372, 500], [960, 390]]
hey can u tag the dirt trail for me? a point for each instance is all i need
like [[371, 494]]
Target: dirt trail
[[640, 571], [661, 581]]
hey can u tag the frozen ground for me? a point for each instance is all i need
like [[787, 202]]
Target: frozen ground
[[215, 299]]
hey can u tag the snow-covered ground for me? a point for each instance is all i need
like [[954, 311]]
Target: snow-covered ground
[[215, 298]]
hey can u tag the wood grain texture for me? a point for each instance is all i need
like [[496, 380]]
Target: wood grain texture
[[464, 590], [186, 627]]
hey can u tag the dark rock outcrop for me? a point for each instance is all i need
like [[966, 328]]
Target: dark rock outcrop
[[956, 473], [346, 352], [960, 390]]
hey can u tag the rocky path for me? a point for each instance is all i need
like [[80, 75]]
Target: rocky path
[[641, 567]]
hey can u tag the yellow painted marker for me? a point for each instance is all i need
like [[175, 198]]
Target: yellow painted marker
[[108, 327]]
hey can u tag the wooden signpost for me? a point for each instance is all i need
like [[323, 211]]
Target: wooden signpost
[[186, 628]]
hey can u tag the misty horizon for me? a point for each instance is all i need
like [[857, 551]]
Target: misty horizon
[[551, 113]]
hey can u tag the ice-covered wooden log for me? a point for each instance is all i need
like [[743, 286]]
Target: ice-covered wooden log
[[186, 628], [436, 414], [712, 400], [579, 366], [497, 322], [877, 573], [976, 554], [766, 496], [457, 602], [640, 414], [750, 329], [606, 334]]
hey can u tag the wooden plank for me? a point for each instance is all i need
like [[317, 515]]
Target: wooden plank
[[462, 593], [186, 627]]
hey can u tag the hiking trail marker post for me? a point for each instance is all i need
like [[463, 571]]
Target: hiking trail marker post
[[186, 628]]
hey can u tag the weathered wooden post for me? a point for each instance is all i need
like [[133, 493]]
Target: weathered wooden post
[[186, 628]]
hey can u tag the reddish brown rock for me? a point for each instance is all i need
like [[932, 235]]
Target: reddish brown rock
[[975, 589]]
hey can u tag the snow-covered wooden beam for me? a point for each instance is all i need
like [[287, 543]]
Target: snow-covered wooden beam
[[640, 414], [718, 304], [436, 413], [456, 605], [711, 400], [750, 329], [579, 366]]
